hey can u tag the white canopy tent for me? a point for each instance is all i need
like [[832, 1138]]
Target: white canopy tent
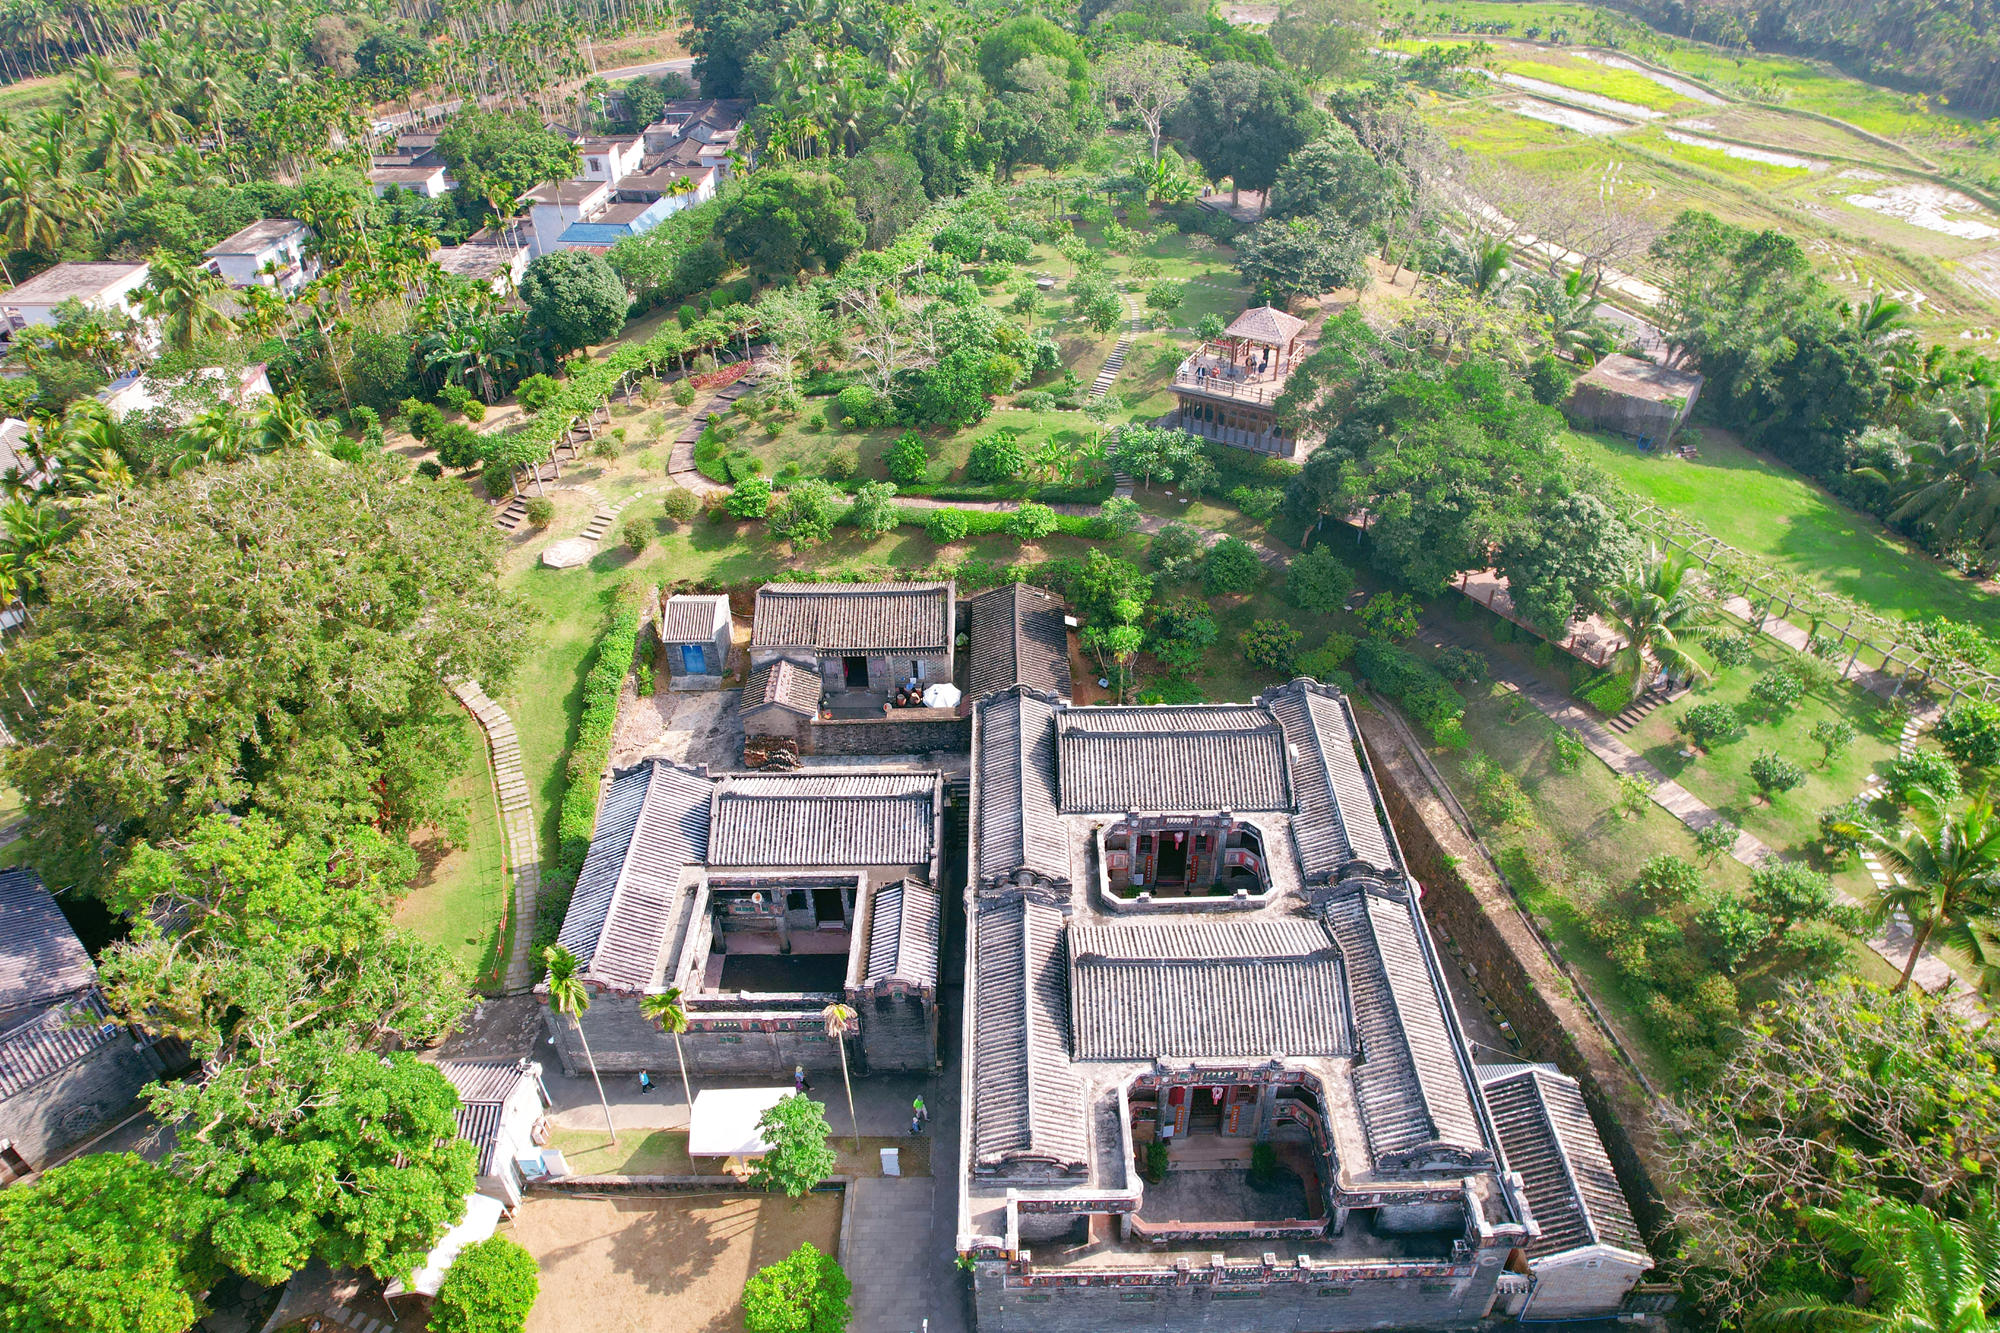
[[724, 1121]]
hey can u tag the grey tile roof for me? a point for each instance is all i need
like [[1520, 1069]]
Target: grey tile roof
[[41, 959], [1018, 824], [259, 236], [1337, 821], [824, 819], [1197, 758], [1410, 1081], [54, 1041], [1265, 324], [1194, 989], [483, 1088], [652, 823], [1027, 1102], [479, 1125], [903, 934], [783, 684], [693, 617], [1017, 637], [854, 617], [1548, 1137]]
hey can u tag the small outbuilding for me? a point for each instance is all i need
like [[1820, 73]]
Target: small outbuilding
[[1628, 396], [1017, 634], [726, 1123], [781, 699], [695, 630]]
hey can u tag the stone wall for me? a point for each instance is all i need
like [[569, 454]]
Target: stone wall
[[1274, 1300], [902, 731], [68, 1107], [625, 1041], [1466, 900], [897, 1032]]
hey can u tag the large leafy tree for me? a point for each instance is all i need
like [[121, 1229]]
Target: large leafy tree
[[1244, 122], [490, 1289], [273, 635], [499, 156], [108, 1243], [786, 222], [1304, 256], [1556, 566], [574, 299], [1835, 1089], [799, 1158], [1335, 174], [804, 1292]]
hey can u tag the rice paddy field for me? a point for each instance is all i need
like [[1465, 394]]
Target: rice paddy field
[[1884, 189]]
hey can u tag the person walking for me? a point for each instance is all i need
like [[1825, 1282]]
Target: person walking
[[916, 1125], [800, 1083], [917, 1108]]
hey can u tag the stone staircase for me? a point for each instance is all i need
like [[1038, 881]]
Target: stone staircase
[[512, 514], [517, 822], [1653, 698], [680, 463], [605, 515], [1122, 485], [1114, 363]]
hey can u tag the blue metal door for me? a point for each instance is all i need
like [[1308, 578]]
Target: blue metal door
[[693, 661]]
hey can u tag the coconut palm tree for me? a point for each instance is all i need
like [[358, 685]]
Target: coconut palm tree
[[1922, 1273], [1484, 266], [187, 299], [1570, 302], [1950, 865], [1954, 488], [27, 221], [1657, 606], [568, 996], [667, 1010], [841, 1020]]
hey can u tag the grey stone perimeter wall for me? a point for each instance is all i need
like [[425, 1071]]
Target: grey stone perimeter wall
[[624, 1041], [1469, 904], [895, 1033], [69, 1107], [888, 735], [1284, 1305]]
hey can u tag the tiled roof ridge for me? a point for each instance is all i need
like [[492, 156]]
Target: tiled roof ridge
[[618, 887]]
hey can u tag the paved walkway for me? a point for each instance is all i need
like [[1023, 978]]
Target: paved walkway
[[1108, 374], [680, 460], [517, 821]]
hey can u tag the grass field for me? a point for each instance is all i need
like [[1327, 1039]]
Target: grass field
[[460, 898], [1772, 513], [1583, 76]]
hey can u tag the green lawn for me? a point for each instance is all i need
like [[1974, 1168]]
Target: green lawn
[[1772, 513], [459, 898]]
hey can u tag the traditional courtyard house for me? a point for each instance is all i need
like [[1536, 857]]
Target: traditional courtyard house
[[270, 252], [67, 1068], [555, 206], [860, 639], [113, 288], [1226, 390], [762, 899], [1628, 396], [1017, 634], [678, 184], [1193, 953], [697, 132], [503, 1114], [697, 632], [496, 260]]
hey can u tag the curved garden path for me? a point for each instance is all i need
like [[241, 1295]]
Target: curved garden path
[[517, 822]]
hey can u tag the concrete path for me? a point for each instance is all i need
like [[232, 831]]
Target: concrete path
[[1107, 375], [517, 822], [680, 460]]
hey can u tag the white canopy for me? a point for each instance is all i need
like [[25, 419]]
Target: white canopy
[[482, 1214], [724, 1123], [944, 694]]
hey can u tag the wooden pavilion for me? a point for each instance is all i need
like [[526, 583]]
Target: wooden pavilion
[[1227, 388]]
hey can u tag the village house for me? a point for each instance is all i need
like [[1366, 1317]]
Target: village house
[[185, 397], [610, 159], [697, 633], [1017, 634], [1193, 951], [554, 206], [503, 1113], [862, 640], [67, 1067], [399, 172], [762, 899], [497, 260], [615, 222], [1629, 396], [1227, 390], [270, 252], [697, 132], [111, 287]]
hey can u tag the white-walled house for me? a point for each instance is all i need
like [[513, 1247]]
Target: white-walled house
[[611, 159], [502, 1114], [270, 252], [553, 207], [427, 180], [189, 395], [499, 262], [110, 287]]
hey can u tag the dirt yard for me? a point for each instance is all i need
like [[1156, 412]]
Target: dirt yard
[[661, 1265]]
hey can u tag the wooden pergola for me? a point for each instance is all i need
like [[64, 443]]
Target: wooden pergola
[[1265, 326]]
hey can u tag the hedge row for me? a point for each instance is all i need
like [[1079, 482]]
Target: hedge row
[[1426, 696], [587, 757], [960, 491]]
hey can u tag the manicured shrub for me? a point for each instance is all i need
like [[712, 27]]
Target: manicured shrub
[[806, 513], [944, 526], [1970, 733], [1666, 881], [841, 464], [1031, 522], [805, 1292], [859, 407], [423, 418], [1231, 566], [1270, 644], [1176, 551], [683, 394], [429, 468], [541, 512], [750, 499], [490, 1288], [1773, 773], [1318, 580], [638, 534], [1709, 723], [908, 459], [680, 504]]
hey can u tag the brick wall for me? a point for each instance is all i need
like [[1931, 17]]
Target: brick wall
[[906, 731], [624, 1041], [70, 1106], [1466, 900], [897, 1032]]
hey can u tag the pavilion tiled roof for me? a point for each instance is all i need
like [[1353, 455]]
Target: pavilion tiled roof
[[1018, 825], [1267, 325]]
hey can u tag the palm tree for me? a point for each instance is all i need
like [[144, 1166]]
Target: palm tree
[[568, 996], [1922, 1273], [1954, 485], [1656, 606], [187, 300], [840, 1020], [1570, 302], [1484, 267], [667, 1010], [1951, 865], [1880, 320], [26, 220]]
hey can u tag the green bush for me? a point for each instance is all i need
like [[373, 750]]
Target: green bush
[[1732, 650], [1032, 522], [683, 394], [1709, 723], [577, 816], [1155, 1169], [536, 392], [1667, 881], [490, 1288], [841, 464], [805, 1292], [1463, 666], [680, 504], [1176, 551], [908, 459], [1716, 838], [638, 534], [457, 445], [1970, 733], [859, 407], [806, 514], [423, 418], [1568, 750], [1327, 659], [997, 457], [1840, 828], [1393, 615], [1773, 773], [1777, 690], [750, 499], [1834, 735], [946, 525], [1318, 580], [1610, 693], [1924, 768], [1231, 566], [430, 468], [1270, 644], [541, 512]]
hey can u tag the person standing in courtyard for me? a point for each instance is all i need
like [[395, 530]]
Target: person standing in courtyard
[[800, 1083]]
